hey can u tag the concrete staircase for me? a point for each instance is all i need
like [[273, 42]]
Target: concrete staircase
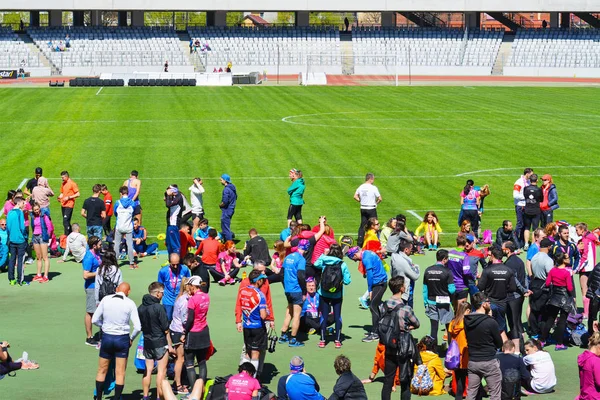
[[35, 50], [195, 60], [347, 52], [503, 54]]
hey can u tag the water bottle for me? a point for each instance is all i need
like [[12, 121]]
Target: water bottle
[[244, 275]]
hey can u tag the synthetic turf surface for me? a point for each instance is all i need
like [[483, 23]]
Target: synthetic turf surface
[[421, 143]]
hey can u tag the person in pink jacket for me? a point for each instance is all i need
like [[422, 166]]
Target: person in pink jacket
[[589, 370], [587, 248]]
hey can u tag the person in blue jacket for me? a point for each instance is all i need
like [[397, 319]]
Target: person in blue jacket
[[299, 384], [376, 284], [332, 298], [227, 206], [3, 245]]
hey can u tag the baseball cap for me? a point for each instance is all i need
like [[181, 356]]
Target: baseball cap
[[226, 178], [258, 278], [303, 244], [470, 238], [352, 251], [546, 243], [195, 281], [38, 170]]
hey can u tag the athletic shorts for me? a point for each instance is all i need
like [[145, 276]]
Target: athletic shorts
[[176, 337], [113, 346], [137, 210], [37, 239], [90, 300], [531, 222], [439, 312], [255, 339], [294, 298], [295, 212], [463, 294], [156, 353], [499, 314]]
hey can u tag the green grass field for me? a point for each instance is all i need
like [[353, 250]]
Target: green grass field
[[421, 144]]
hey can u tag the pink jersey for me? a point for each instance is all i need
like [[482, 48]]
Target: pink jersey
[[241, 386], [199, 303]]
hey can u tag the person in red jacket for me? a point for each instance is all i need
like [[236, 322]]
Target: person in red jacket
[[209, 248], [265, 288], [186, 239]]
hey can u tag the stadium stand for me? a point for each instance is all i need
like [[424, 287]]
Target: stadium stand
[[575, 48], [267, 46], [110, 46], [13, 51]]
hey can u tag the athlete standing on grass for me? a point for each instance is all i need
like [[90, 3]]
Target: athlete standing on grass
[[368, 196], [296, 192], [134, 185], [91, 262], [94, 212], [69, 191], [518, 187]]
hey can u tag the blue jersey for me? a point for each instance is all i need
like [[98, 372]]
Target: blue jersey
[[376, 274], [302, 386], [291, 265], [532, 251], [172, 282], [91, 261], [252, 301]]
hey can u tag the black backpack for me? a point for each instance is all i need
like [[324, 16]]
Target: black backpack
[[332, 278], [107, 287], [389, 326]]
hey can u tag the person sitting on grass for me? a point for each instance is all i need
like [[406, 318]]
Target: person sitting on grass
[[140, 247], [228, 265], [513, 371], [8, 366], [347, 386], [310, 316], [76, 244], [243, 386], [427, 346], [541, 367], [432, 229]]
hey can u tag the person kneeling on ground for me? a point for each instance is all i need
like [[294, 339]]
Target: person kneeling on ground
[[7, 365], [243, 386], [541, 367], [347, 386], [140, 247], [310, 317]]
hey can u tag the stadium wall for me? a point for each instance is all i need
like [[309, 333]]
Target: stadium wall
[[553, 72], [422, 70], [310, 5], [97, 70]]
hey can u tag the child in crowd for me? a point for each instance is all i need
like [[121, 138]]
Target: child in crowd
[[457, 333], [427, 347], [513, 371], [275, 274], [541, 368], [432, 230]]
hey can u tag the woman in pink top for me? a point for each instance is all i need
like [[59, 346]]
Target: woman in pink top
[[587, 248], [9, 204], [589, 370], [243, 386], [323, 243], [42, 232], [197, 335], [228, 264], [41, 193], [561, 299]]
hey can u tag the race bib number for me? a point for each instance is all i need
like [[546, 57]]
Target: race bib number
[[442, 299]]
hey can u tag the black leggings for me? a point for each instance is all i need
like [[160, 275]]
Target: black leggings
[[392, 363], [514, 310], [473, 217], [559, 332], [190, 357], [435, 326], [217, 276], [461, 379], [326, 305], [377, 292], [593, 313]]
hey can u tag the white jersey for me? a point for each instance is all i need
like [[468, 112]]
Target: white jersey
[[543, 376], [368, 194], [196, 198], [518, 187]]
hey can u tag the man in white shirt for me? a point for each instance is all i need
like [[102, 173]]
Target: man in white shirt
[[368, 196], [76, 244], [124, 210], [114, 315], [196, 197], [519, 199]]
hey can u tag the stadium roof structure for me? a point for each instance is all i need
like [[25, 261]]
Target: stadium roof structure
[[309, 5]]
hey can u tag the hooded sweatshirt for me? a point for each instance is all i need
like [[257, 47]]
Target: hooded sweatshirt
[[154, 322], [480, 328], [77, 245], [589, 376], [436, 371], [296, 191]]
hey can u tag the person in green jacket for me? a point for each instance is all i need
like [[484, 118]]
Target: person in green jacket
[[296, 192]]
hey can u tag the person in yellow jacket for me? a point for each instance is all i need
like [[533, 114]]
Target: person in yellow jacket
[[434, 364], [431, 227]]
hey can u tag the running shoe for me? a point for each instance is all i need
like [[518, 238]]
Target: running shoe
[[182, 390], [526, 247], [44, 280], [338, 344], [37, 278], [91, 342], [322, 344], [231, 281], [363, 303], [370, 338], [295, 343], [222, 282], [24, 283], [560, 347], [284, 338], [13, 282]]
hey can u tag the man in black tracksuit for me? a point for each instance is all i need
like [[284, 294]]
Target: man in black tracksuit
[[532, 214], [507, 234], [496, 281], [514, 306], [483, 337], [257, 248], [155, 327]]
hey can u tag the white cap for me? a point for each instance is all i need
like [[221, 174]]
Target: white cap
[[194, 281]]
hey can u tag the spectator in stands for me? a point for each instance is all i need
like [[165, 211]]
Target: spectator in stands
[[67, 41], [346, 23], [166, 69], [191, 45], [76, 244]]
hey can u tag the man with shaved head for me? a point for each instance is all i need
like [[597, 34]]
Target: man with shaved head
[[114, 315]]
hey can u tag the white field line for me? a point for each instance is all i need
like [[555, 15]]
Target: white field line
[[99, 90], [534, 168], [414, 214], [23, 182], [140, 121]]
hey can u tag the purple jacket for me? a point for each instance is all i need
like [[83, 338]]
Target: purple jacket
[[459, 264], [589, 376]]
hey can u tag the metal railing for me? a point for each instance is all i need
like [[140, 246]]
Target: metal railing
[[117, 58], [13, 60]]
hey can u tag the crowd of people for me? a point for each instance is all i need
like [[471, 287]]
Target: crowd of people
[[474, 293]]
